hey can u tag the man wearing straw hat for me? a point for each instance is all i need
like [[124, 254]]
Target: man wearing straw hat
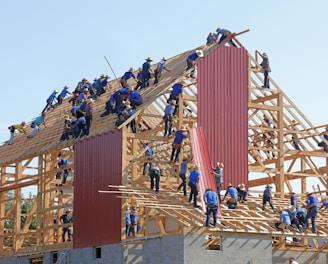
[[242, 193]]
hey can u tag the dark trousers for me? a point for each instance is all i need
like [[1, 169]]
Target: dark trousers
[[157, 75], [183, 184], [177, 150], [69, 232], [267, 199], [168, 125], [266, 79], [218, 189], [65, 174], [211, 209], [193, 192], [154, 181], [312, 213]]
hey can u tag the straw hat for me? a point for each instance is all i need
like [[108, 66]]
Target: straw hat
[[241, 186], [200, 53], [55, 91], [66, 87], [67, 117], [308, 193], [131, 69], [68, 211], [183, 128], [197, 168], [268, 186], [149, 59], [229, 185], [292, 209], [164, 59], [219, 165]]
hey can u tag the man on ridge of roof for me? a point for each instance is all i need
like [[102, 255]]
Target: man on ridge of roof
[[224, 34], [265, 68], [192, 57], [211, 38]]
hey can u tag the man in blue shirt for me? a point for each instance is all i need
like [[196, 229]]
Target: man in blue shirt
[[224, 34], [135, 99], [182, 174], [36, 124], [127, 221], [134, 220], [127, 75], [50, 101], [293, 200], [284, 220], [312, 211], [193, 184], [177, 143], [110, 105], [63, 164], [233, 201], [324, 205], [211, 201], [63, 94], [176, 93], [159, 68], [192, 57]]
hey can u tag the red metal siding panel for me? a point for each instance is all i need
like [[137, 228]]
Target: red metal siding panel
[[202, 158], [223, 107], [97, 216]]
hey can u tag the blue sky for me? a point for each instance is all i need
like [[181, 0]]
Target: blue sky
[[48, 44]]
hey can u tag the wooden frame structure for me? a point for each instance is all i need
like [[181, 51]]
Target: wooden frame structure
[[167, 212]]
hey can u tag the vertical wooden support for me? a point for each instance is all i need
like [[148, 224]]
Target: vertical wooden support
[[40, 201], [134, 169], [280, 158], [18, 208], [303, 180]]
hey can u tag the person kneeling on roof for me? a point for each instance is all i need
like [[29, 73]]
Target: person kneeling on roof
[[233, 201]]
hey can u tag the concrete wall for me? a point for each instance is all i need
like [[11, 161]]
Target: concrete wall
[[181, 249]]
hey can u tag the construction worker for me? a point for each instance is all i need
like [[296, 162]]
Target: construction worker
[[21, 129], [211, 201]]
